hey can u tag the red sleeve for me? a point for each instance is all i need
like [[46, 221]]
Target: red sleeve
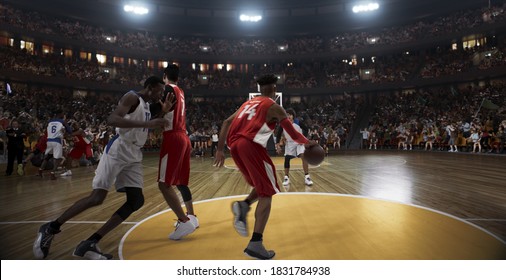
[[296, 136]]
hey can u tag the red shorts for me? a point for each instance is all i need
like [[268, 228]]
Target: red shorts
[[174, 164], [76, 153], [256, 166]]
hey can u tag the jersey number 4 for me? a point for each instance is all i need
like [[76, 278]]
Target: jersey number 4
[[250, 110]]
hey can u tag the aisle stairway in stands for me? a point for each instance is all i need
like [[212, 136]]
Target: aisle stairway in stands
[[363, 116]]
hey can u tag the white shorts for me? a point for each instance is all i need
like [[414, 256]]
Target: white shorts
[[54, 148], [294, 149], [120, 165]]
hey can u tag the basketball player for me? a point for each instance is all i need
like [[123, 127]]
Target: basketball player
[[292, 150], [39, 149], [55, 131], [174, 164], [120, 165], [81, 147], [247, 132]]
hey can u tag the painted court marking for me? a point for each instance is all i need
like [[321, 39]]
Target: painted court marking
[[122, 241]]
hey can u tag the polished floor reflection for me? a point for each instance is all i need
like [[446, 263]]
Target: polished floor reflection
[[468, 186]]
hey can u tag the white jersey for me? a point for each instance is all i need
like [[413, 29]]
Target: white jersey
[[55, 130], [287, 136], [293, 148], [136, 135]]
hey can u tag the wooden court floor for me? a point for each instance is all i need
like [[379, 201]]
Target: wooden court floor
[[467, 189]]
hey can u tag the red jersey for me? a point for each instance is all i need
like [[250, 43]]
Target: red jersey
[[42, 143], [177, 117], [79, 142], [250, 122]]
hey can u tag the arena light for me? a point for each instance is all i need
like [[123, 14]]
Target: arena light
[[250, 18], [138, 10], [365, 7]]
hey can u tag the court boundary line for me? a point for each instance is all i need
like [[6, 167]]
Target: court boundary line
[[120, 246], [69, 222]]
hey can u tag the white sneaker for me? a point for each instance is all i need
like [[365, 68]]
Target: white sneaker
[[286, 181], [308, 180], [66, 173], [182, 229], [194, 221]]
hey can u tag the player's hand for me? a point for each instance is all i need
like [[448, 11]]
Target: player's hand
[[309, 144], [168, 103], [154, 123], [219, 159], [278, 149]]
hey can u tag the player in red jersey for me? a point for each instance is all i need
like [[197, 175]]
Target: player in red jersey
[[40, 148], [247, 132], [81, 147], [174, 165]]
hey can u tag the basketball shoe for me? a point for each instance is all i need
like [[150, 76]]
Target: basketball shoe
[[257, 250], [307, 180], [194, 220], [89, 250], [182, 229], [286, 181], [240, 210], [43, 241]]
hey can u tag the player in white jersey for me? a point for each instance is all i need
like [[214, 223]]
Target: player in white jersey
[[120, 165], [55, 132], [293, 150]]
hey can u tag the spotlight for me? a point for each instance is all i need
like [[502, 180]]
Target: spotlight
[[365, 7], [138, 10], [250, 18]]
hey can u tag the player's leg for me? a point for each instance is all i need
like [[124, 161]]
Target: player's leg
[[170, 164], [88, 248], [305, 166], [263, 178]]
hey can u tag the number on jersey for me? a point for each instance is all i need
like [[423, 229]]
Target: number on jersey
[[250, 110]]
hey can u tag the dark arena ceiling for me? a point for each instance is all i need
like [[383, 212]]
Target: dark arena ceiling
[[219, 18]]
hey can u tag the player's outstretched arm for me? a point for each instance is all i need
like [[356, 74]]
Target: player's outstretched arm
[[276, 113], [219, 158]]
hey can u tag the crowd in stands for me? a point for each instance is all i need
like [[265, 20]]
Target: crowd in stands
[[32, 107], [145, 41], [429, 119], [426, 119], [332, 73]]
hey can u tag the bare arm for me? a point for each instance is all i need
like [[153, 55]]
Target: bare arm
[[126, 103], [220, 155], [276, 113]]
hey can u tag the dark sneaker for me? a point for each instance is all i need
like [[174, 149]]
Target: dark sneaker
[[257, 250], [240, 210], [89, 250], [43, 242]]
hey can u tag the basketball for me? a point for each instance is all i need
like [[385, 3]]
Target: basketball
[[314, 155]]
